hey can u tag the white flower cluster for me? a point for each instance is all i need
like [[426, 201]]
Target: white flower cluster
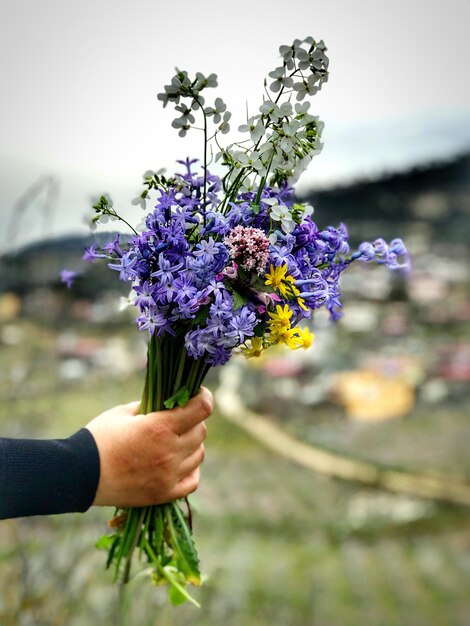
[[283, 136], [183, 87]]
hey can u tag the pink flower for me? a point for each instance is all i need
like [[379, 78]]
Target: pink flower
[[267, 298], [249, 247]]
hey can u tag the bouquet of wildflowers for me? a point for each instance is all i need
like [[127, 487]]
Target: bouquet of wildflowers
[[225, 263]]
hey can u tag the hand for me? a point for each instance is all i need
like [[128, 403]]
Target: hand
[[150, 459]]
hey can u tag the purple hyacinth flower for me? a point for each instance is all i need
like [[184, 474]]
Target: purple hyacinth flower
[[67, 277]]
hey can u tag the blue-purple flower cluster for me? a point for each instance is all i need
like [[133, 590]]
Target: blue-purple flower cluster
[[186, 278]]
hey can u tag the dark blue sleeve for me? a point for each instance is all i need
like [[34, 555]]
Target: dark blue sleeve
[[43, 477]]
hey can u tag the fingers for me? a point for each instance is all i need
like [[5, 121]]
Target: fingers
[[191, 463], [182, 420], [190, 441], [186, 485]]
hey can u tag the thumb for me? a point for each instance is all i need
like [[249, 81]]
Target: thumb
[[133, 407]]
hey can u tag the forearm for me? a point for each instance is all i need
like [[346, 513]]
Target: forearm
[[43, 477]]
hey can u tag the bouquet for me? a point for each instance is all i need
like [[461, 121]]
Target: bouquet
[[225, 262]]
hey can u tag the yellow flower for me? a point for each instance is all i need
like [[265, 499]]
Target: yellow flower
[[255, 349], [304, 338], [284, 335], [275, 275], [282, 316], [292, 287], [301, 303]]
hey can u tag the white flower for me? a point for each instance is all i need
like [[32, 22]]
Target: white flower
[[308, 210], [255, 127], [287, 52], [303, 58], [281, 80], [285, 110], [301, 109], [205, 81], [287, 144], [248, 159], [290, 128], [306, 87], [141, 200], [319, 60], [217, 110], [224, 127], [281, 213]]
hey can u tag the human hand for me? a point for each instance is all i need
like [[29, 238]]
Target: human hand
[[150, 459]]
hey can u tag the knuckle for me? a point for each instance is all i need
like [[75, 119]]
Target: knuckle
[[151, 430], [206, 405], [193, 482]]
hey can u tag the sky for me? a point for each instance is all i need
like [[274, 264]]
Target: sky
[[80, 116]]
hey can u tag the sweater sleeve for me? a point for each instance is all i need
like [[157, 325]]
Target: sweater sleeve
[[43, 477]]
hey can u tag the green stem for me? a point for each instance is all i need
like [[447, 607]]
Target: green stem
[[137, 529], [180, 370], [158, 376], [166, 574]]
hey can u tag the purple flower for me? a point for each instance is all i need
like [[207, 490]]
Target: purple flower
[[219, 357], [217, 325], [242, 324], [189, 307], [337, 238], [366, 251], [145, 294], [184, 287], [305, 233], [125, 266], [166, 272], [90, 254], [223, 304], [208, 250], [113, 247], [191, 341], [155, 320], [67, 277]]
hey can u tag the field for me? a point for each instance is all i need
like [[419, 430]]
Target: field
[[279, 544]]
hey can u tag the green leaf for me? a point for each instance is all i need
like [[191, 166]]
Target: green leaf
[[105, 542], [180, 398], [183, 546], [259, 330], [176, 596], [238, 300], [201, 315]]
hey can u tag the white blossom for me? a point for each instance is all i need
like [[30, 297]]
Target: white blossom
[[281, 213]]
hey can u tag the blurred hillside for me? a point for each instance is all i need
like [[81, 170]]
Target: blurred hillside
[[435, 196]]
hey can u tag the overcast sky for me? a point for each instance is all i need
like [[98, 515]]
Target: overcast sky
[[80, 79]]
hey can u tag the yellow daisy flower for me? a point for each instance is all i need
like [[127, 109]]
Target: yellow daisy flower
[[284, 335], [255, 349], [275, 276], [304, 337], [282, 316]]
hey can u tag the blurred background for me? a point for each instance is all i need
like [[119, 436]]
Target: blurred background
[[386, 385]]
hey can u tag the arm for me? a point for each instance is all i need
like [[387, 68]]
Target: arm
[[39, 477], [121, 458]]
